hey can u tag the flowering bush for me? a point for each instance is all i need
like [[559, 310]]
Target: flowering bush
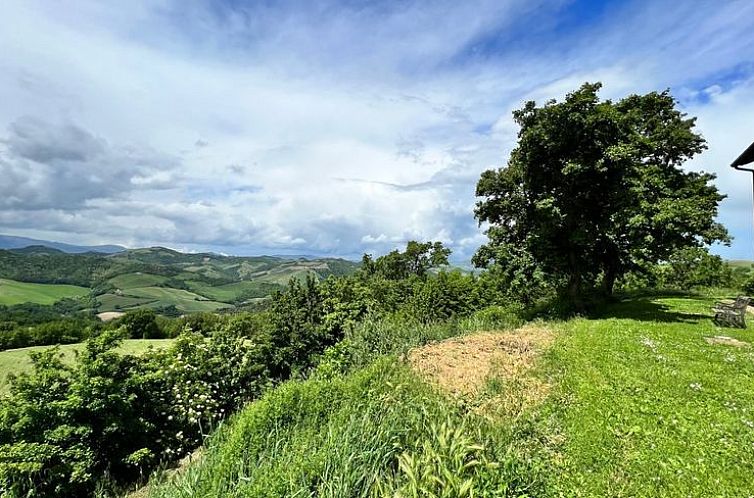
[[63, 426]]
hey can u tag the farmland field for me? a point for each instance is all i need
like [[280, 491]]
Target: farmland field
[[12, 292], [138, 279], [157, 297], [17, 360]]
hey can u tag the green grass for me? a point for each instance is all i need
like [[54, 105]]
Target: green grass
[[114, 302], [646, 407], [138, 279], [157, 297], [17, 360], [376, 432], [13, 292], [740, 263], [224, 293], [640, 405], [181, 299]]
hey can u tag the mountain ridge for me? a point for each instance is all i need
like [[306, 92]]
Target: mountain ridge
[[15, 242]]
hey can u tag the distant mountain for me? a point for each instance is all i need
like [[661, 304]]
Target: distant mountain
[[13, 242]]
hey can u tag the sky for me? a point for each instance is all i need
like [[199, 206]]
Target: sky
[[329, 127]]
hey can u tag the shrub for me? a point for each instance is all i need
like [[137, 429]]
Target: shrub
[[63, 427], [140, 324]]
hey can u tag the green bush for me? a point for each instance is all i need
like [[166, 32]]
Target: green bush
[[109, 419], [140, 324]]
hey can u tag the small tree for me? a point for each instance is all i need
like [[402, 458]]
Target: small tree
[[595, 188], [141, 324]]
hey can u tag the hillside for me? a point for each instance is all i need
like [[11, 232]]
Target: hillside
[[644, 399], [12, 292], [160, 278]]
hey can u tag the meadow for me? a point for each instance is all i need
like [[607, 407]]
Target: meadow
[[644, 398], [13, 292]]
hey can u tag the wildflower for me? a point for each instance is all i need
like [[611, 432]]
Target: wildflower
[[696, 386]]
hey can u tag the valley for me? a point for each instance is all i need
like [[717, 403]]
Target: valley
[[167, 281]]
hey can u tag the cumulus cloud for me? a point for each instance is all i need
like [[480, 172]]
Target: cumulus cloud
[[325, 127], [63, 166]]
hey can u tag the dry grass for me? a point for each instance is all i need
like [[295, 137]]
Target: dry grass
[[464, 366], [106, 316], [727, 341]]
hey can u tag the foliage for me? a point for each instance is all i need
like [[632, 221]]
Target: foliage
[[298, 325], [416, 260], [693, 267], [65, 426], [62, 331], [140, 324], [595, 189]]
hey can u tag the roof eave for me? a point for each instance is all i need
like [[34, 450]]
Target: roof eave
[[745, 158]]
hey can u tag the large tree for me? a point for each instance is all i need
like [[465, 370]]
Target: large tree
[[595, 189]]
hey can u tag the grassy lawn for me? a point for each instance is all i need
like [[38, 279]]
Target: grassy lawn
[[17, 360], [645, 406], [12, 292]]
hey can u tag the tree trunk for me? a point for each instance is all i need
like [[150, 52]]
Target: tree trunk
[[574, 283], [574, 291], [608, 281]]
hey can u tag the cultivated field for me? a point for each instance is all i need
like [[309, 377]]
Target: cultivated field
[[12, 292]]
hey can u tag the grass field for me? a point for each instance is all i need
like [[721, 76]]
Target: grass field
[[156, 297], [12, 292], [229, 293], [17, 360], [131, 280], [115, 302], [633, 402], [740, 263]]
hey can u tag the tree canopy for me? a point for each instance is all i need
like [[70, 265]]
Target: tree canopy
[[417, 259], [595, 188]]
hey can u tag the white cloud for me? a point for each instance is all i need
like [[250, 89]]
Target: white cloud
[[318, 128]]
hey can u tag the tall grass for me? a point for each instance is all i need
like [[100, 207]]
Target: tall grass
[[396, 334], [378, 431]]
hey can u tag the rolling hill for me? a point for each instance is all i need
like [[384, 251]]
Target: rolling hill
[[163, 279]]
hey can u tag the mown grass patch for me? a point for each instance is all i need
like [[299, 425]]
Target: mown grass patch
[[137, 279], [13, 292], [645, 406], [16, 361]]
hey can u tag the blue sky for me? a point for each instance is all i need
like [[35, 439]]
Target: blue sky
[[326, 127]]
